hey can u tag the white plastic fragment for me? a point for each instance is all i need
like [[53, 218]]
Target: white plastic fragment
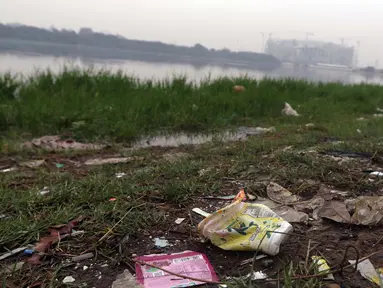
[[367, 270], [8, 169], [44, 191], [289, 111], [161, 242], [377, 173], [13, 252], [258, 275], [68, 279], [120, 174], [201, 212], [179, 221]]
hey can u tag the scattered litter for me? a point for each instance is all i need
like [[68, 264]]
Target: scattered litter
[[279, 194], [100, 161], [289, 111], [291, 215], [258, 275], [252, 131], [57, 233], [125, 280], [55, 143], [59, 165], [322, 266], [68, 279], [368, 211], [29, 251], [82, 257], [179, 221], [85, 267], [104, 265], [32, 164], [336, 211], [201, 212], [361, 119], [378, 115], [13, 267], [238, 88], [340, 193], [188, 263], [8, 169], [309, 125], [367, 270], [359, 131], [377, 173], [244, 226], [120, 174], [44, 191], [161, 242], [13, 252], [112, 199]]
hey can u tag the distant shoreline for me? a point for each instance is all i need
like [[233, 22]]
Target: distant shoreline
[[9, 45]]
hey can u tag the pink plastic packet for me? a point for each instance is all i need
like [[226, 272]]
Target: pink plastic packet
[[187, 263]]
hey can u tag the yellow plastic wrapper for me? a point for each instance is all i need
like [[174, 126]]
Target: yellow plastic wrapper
[[244, 226]]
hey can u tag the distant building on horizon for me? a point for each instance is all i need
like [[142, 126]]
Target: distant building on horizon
[[311, 52]]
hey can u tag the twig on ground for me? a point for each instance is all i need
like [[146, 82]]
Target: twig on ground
[[308, 254], [118, 222]]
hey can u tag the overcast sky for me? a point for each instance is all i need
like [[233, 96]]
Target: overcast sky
[[235, 24]]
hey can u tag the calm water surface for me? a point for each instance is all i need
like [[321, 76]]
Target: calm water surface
[[28, 64]]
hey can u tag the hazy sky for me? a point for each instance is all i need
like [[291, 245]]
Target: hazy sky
[[235, 24]]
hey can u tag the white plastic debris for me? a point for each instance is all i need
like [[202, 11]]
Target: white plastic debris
[[289, 111], [258, 275], [120, 174], [68, 279], [377, 173], [8, 169], [201, 212], [161, 242], [45, 191], [179, 221], [85, 268], [32, 164], [367, 270]]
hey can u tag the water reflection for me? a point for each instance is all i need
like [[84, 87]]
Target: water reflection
[[29, 63]]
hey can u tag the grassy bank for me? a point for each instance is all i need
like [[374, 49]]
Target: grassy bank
[[119, 107], [121, 216]]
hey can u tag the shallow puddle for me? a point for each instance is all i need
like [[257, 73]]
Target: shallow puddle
[[241, 134]]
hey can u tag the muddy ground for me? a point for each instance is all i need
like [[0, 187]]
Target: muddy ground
[[336, 242]]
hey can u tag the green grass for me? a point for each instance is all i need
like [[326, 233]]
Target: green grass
[[119, 107]]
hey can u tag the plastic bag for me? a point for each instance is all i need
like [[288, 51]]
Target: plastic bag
[[245, 227]]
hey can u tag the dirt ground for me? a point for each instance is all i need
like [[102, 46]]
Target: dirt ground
[[336, 242]]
